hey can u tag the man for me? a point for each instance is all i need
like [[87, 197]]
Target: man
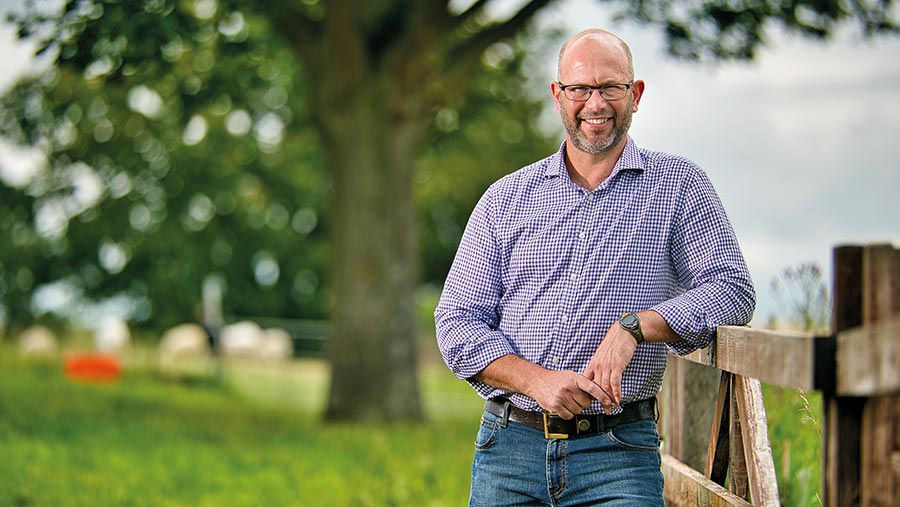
[[574, 278]]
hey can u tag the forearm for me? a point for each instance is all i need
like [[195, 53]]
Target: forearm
[[562, 392], [655, 328], [511, 373], [695, 314]]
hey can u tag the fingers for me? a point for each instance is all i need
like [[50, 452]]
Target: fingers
[[607, 366], [594, 390], [612, 387], [574, 403], [598, 392], [615, 383], [563, 393]]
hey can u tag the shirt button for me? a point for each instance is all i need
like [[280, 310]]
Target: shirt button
[[573, 277], [555, 360], [565, 318], [582, 235]]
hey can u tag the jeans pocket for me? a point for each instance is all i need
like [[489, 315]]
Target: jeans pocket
[[639, 436], [487, 432]]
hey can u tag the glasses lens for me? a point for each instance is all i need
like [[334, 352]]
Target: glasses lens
[[613, 92], [578, 92], [608, 92]]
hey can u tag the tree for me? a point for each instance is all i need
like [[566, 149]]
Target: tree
[[374, 76], [803, 297], [153, 187]]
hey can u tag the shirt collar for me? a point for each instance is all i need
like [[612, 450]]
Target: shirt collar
[[630, 160]]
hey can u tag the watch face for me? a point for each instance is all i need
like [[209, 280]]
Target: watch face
[[629, 321]]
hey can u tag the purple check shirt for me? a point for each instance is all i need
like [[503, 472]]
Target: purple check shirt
[[545, 267]]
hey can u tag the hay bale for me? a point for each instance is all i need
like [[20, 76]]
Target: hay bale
[[38, 341], [184, 340], [277, 344], [243, 338]]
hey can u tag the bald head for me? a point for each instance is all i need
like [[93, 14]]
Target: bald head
[[595, 36]]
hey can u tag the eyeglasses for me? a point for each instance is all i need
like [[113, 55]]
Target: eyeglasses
[[581, 93]]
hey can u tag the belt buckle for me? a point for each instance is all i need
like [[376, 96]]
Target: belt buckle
[[547, 433]]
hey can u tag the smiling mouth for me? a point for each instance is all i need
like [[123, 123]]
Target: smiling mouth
[[596, 121]]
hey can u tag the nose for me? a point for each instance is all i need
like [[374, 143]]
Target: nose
[[596, 98]]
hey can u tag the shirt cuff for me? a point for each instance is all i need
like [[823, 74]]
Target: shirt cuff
[[477, 355], [692, 326]]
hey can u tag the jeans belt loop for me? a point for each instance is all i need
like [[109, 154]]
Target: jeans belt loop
[[505, 421]]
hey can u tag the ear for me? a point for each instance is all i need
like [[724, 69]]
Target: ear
[[637, 91], [555, 90]]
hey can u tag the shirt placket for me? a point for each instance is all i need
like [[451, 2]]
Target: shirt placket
[[583, 235]]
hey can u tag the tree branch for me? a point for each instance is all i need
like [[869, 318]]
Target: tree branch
[[476, 44], [462, 59], [298, 30]]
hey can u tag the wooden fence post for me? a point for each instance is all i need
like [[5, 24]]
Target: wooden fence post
[[840, 473], [862, 442], [878, 446]]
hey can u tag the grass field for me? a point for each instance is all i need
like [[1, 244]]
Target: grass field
[[255, 439]]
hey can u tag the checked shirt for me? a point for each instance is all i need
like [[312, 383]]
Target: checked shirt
[[545, 267]]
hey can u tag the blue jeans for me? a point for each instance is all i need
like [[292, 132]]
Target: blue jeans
[[517, 465]]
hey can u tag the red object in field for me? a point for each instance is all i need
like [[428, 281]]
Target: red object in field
[[92, 368]]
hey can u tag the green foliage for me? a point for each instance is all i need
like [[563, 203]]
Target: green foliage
[[476, 142], [177, 150], [795, 433], [734, 30]]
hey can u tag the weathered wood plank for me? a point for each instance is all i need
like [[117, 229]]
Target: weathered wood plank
[[783, 358], [895, 464], [841, 470], [686, 487], [881, 312], [840, 475], [881, 283], [739, 481], [717, 451], [877, 441], [868, 359], [757, 450], [672, 409]]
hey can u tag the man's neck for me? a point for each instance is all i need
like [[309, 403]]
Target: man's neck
[[589, 170]]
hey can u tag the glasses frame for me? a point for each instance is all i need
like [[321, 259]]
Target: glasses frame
[[601, 89]]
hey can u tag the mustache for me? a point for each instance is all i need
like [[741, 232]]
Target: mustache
[[594, 114]]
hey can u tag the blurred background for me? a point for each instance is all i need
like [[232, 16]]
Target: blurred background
[[289, 181]]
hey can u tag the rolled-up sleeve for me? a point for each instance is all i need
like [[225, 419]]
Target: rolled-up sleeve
[[709, 265], [467, 315]]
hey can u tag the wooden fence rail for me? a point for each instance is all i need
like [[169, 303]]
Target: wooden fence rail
[[857, 369]]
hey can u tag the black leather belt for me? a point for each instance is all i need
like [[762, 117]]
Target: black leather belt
[[555, 426]]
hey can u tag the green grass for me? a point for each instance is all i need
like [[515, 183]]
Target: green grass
[[795, 426], [148, 441], [256, 439]]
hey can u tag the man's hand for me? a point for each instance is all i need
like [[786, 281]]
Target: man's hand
[[608, 364], [565, 393]]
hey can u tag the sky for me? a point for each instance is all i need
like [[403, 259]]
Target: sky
[[802, 144]]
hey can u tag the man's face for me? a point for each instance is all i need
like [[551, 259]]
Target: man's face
[[597, 125]]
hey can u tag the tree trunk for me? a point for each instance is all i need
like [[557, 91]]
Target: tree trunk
[[372, 153]]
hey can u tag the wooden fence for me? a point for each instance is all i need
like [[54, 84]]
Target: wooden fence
[[857, 369]]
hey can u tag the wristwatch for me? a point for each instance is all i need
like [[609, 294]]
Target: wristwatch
[[631, 323]]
